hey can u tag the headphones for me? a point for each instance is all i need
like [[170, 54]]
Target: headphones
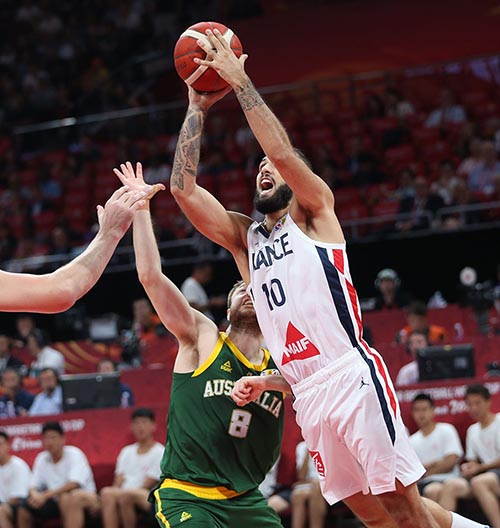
[[387, 274]]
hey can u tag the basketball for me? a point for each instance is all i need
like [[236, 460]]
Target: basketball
[[201, 78]]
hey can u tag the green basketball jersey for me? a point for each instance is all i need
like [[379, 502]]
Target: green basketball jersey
[[210, 440]]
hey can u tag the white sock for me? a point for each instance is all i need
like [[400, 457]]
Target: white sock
[[457, 521]]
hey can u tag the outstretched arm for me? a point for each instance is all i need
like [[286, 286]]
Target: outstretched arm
[[59, 290], [204, 211], [311, 192]]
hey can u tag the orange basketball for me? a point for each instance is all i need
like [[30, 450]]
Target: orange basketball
[[201, 78]]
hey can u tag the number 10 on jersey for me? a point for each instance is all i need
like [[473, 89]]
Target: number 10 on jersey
[[275, 294]]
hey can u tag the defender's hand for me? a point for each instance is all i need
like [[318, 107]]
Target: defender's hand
[[134, 180]]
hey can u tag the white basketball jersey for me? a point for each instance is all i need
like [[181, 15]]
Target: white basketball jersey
[[305, 302]]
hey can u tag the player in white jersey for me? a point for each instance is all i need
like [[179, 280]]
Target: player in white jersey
[[296, 267]]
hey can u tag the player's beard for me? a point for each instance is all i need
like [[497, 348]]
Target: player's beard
[[245, 322], [276, 202]]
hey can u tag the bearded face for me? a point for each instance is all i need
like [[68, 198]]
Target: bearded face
[[272, 200]]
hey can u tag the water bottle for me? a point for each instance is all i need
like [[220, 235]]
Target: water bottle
[[459, 331]]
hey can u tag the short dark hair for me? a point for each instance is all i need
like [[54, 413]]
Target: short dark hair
[[479, 389], [143, 412], [422, 396], [4, 435], [52, 426], [417, 308], [421, 333], [107, 360], [50, 369]]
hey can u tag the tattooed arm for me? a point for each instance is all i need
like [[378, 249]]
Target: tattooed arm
[[203, 210], [310, 191]]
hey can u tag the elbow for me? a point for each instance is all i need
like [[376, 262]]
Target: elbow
[[147, 276], [64, 297]]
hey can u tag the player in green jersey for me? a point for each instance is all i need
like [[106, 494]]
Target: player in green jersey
[[216, 453]]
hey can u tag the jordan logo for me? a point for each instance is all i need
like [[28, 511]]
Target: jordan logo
[[227, 366], [297, 346], [185, 516], [318, 462], [362, 383]]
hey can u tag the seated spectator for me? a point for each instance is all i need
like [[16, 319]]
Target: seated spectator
[[137, 471], [406, 187], [146, 323], [480, 473], [278, 497], [15, 476], [108, 366], [45, 355], [306, 498], [49, 400], [481, 179], [62, 484], [6, 358], [448, 112], [422, 207], [417, 320], [193, 288], [461, 196], [15, 401], [25, 324], [389, 293], [362, 164], [446, 182], [396, 105], [408, 374], [437, 446], [473, 160]]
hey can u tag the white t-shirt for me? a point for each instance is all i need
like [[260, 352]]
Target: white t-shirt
[[268, 485], [408, 375], [442, 442], [483, 444], [301, 452], [195, 294], [73, 467], [15, 478], [48, 358], [136, 467]]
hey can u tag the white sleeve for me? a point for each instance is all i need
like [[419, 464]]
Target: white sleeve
[[470, 451], [79, 467], [121, 462], [300, 454], [38, 476], [21, 485], [154, 470], [192, 292], [452, 443]]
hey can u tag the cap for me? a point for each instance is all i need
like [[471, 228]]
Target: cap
[[387, 274]]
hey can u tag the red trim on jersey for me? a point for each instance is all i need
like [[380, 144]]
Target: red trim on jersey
[[375, 357], [338, 260]]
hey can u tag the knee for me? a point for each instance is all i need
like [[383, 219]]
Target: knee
[[108, 494], [453, 486], [432, 491], [478, 483], [126, 498]]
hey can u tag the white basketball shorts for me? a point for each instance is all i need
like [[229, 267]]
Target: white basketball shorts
[[351, 423]]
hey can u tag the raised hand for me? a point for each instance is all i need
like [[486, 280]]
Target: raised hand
[[134, 180], [118, 212], [222, 59]]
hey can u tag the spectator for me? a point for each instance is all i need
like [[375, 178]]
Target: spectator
[[108, 366], [406, 187], [408, 374], [417, 320], [422, 207], [25, 324], [473, 160], [49, 400], [396, 105], [306, 498], [62, 485], [437, 446], [389, 293], [448, 112], [278, 497], [146, 323], [137, 471], [480, 472], [362, 164], [481, 179], [45, 355], [15, 401], [15, 477], [6, 359], [446, 182], [193, 288]]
